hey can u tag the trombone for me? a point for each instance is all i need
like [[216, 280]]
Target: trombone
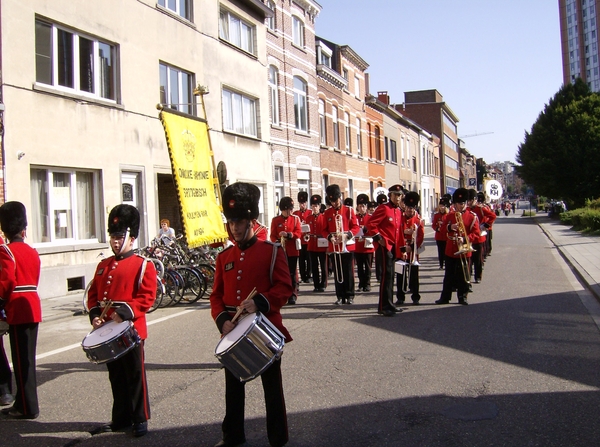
[[338, 241], [407, 266], [463, 248]]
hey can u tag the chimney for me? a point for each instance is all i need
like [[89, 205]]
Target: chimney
[[383, 97]]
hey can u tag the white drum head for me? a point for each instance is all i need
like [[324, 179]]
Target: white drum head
[[238, 331], [106, 332]]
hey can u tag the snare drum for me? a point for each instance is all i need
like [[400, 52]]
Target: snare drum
[[110, 341], [251, 347]]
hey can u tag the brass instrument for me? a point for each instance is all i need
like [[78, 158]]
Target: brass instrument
[[407, 266], [282, 240], [339, 246], [464, 247]]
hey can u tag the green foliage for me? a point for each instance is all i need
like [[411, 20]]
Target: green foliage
[[560, 157], [582, 219]]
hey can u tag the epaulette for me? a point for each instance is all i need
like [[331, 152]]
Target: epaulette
[[272, 243], [225, 249]]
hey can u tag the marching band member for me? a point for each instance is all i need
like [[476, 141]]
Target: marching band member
[[126, 283], [386, 227], [457, 272], [440, 236], [340, 226], [19, 278], [486, 217], [304, 258], [414, 234], [487, 223], [250, 264], [363, 254], [286, 229], [318, 257], [381, 199]]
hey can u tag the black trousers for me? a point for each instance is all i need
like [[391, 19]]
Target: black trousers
[[454, 277], [488, 242], [386, 286], [5, 372], [441, 248], [235, 402], [413, 284], [343, 275], [378, 262], [477, 260], [127, 377], [318, 263], [363, 268], [23, 344], [293, 265], [304, 262]]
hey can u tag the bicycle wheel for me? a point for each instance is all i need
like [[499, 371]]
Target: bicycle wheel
[[208, 271], [194, 285], [172, 281], [160, 292]]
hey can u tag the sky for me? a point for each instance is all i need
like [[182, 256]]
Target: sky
[[496, 63]]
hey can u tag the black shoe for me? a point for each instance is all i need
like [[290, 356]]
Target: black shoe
[[476, 281], [367, 289], [463, 301], [338, 302], [13, 413], [6, 399], [399, 302], [387, 313], [109, 428], [292, 300], [350, 300], [441, 301], [315, 290], [320, 290], [416, 299], [229, 444], [140, 429]]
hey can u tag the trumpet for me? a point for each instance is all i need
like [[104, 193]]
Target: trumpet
[[282, 242], [464, 247], [339, 246]]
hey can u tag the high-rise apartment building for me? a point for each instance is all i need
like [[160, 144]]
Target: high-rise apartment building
[[579, 41]]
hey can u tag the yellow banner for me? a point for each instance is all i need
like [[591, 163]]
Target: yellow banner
[[191, 162]]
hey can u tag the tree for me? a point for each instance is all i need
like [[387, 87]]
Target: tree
[[560, 157]]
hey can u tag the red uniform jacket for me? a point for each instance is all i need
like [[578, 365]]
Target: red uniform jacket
[[19, 279], [363, 219], [130, 282], [303, 216], [349, 224], [437, 226], [239, 271], [471, 226], [290, 225], [386, 223], [485, 216], [316, 231]]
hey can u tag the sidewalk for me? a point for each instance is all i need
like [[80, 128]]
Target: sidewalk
[[581, 252]]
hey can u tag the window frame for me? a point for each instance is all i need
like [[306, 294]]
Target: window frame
[[244, 102], [229, 37], [274, 94], [298, 34], [322, 123], [300, 119], [187, 104], [336, 127], [177, 11]]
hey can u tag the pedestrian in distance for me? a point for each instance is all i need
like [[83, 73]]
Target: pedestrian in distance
[[250, 265], [124, 289], [19, 279]]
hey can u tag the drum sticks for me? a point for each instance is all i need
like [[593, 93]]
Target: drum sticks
[[240, 309], [105, 310]]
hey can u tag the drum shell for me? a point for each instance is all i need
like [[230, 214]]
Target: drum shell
[[114, 347], [399, 266], [253, 352]]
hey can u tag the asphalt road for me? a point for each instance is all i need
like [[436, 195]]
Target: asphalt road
[[517, 367]]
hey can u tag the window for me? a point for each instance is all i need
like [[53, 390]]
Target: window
[[300, 104], [304, 180], [393, 151], [358, 137], [345, 74], [176, 91], [278, 174], [324, 54], [322, 126], [377, 144], [270, 22], [356, 87], [236, 31], [297, 32], [414, 164], [239, 113], [402, 151], [336, 128], [274, 94], [179, 7], [347, 119], [70, 61], [65, 205], [386, 149]]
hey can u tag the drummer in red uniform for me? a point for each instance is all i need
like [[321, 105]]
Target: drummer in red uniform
[[19, 278], [126, 283], [250, 264]]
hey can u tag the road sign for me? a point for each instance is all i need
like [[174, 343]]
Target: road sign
[[472, 181], [493, 189]]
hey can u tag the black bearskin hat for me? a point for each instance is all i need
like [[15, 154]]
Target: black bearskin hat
[[13, 218], [333, 193], [349, 202], [286, 203], [122, 218], [396, 189], [362, 199], [481, 197], [302, 197], [372, 204], [315, 199], [472, 194], [448, 197], [460, 195], [381, 199], [444, 201], [240, 201], [411, 199]]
